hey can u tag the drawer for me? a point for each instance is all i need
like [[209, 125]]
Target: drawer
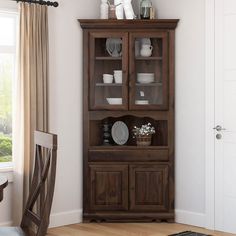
[[129, 155]]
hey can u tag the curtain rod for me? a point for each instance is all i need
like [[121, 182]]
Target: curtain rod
[[41, 2]]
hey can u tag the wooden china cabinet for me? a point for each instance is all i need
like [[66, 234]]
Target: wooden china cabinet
[[128, 182]]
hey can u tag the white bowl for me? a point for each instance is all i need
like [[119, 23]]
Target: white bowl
[[145, 78], [141, 102], [114, 101], [107, 80]]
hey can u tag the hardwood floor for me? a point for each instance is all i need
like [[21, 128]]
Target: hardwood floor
[[129, 229]]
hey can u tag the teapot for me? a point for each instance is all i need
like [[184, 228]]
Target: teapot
[[146, 50]]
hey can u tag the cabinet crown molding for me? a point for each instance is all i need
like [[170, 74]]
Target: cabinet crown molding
[[129, 24]]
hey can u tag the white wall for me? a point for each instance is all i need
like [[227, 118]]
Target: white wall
[[66, 104], [190, 106]]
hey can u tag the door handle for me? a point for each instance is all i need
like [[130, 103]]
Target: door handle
[[219, 128]]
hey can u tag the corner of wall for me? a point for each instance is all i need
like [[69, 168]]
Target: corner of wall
[[65, 218], [190, 218]]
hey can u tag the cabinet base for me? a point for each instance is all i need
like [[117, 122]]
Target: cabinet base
[[128, 217]]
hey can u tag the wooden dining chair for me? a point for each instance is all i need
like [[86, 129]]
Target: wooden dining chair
[[36, 215]]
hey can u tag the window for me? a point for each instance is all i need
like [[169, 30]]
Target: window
[[8, 29]]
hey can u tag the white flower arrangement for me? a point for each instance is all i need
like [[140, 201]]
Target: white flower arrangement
[[145, 130]]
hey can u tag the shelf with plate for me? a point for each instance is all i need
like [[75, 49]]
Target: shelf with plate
[[128, 83], [120, 131], [108, 58]]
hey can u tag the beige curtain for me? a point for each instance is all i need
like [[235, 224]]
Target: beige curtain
[[31, 104]]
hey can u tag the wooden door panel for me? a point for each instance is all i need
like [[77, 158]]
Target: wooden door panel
[[156, 93], [103, 63], [149, 187], [109, 187]]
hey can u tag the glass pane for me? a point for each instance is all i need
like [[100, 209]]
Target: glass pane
[[6, 77], [148, 71], [7, 32], [108, 74]]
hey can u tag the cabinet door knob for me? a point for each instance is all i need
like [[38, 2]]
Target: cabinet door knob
[[219, 128]]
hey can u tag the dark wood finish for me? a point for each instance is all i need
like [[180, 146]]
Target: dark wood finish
[[149, 187], [98, 68], [128, 183], [160, 138], [3, 184], [160, 70], [104, 216], [160, 24], [36, 214], [109, 187], [128, 155]]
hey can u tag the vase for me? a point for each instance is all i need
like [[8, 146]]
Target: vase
[[144, 140], [145, 7]]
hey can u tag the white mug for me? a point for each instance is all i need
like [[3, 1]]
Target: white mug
[[118, 76]]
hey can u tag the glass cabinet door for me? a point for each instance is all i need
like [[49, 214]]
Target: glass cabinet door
[[148, 71], [108, 71]]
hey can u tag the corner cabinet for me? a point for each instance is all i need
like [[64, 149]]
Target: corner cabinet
[[128, 182]]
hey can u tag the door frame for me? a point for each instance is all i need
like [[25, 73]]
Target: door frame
[[210, 114]]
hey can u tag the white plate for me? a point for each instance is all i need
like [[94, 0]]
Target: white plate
[[120, 133], [114, 46], [146, 41], [114, 101], [141, 102]]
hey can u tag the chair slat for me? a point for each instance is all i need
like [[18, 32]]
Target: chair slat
[[33, 217], [45, 140]]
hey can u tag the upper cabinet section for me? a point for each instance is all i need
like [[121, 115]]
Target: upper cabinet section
[[148, 71], [108, 71], [127, 64]]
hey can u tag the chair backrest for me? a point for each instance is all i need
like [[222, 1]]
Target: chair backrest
[[38, 207]]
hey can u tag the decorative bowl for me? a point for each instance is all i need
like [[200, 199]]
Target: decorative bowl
[[107, 78]]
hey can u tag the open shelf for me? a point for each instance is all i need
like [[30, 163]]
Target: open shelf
[[159, 139], [126, 147], [108, 85], [108, 58], [148, 58], [148, 85]]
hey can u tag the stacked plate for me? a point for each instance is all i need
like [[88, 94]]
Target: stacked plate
[[141, 102], [114, 101], [145, 78]]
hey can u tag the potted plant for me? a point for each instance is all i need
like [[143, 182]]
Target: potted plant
[[144, 134]]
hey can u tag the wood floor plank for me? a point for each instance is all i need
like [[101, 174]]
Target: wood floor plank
[[127, 229]]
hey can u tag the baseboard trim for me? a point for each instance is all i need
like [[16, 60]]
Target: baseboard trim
[[6, 224], [190, 218], [75, 217], [65, 218]]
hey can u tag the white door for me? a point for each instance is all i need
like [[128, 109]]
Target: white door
[[225, 115]]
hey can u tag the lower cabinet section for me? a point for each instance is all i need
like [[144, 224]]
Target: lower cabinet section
[[129, 189], [148, 186], [109, 187]]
